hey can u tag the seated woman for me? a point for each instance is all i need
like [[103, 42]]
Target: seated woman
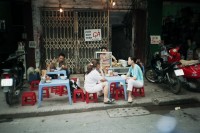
[[94, 82], [137, 77], [106, 59]]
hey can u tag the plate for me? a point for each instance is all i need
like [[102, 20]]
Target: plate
[[48, 81]]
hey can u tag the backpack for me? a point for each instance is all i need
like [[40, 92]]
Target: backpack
[[33, 76], [73, 86]]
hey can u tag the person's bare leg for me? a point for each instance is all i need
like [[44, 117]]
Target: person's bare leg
[[105, 89], [130, 99], [100, 93]]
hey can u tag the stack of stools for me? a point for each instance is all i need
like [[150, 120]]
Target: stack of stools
[[138, 91], [60, 90], [45, 92], [91, 99], [76, 93], [34, 85], [112, 89], [53, 89], [28, 98], [118, 91]]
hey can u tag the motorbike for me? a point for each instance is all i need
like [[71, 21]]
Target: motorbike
[[191, 69], [12, 72], [169, 74]]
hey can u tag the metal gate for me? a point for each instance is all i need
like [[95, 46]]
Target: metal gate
[[64, 32]]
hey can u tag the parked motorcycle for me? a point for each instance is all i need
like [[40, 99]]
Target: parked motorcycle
[[12, 72], [169, 74], [191, 69]]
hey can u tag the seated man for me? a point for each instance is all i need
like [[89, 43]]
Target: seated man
[[60, 64]]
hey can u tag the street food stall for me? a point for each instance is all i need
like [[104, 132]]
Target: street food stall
[[119, 67]]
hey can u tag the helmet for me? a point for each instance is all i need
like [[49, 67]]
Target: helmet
[[173, 51]]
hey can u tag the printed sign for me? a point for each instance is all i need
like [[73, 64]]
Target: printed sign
[[92, 34], [32, 44], [155, 39]]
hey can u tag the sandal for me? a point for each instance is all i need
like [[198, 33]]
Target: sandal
[[109, 101], [130, 100]]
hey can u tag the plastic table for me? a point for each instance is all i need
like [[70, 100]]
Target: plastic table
[[116, 79], [54, 82]]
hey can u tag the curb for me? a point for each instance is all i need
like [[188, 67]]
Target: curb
[[155, 102]]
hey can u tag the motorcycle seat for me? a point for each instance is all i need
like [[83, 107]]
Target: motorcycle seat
[[189, 62]]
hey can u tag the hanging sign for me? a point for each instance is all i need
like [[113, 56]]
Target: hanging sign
[[92, 34], [32, 44], [155, 39]]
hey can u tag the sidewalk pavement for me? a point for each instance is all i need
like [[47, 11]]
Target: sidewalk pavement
[[155, 94]]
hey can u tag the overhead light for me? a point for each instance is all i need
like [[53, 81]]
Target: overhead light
[[113, 3], [61, 10], [60, 7]]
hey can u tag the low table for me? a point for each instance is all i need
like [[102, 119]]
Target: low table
[[54, 82], [116, 79]]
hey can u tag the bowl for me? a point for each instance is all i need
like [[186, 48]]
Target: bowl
[[124, 64], [63, 77], [115, 73], [123, 76], [58, 68]]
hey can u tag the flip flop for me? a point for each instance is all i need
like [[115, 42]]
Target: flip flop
[[130, 100], [112, 100], [109, 101]]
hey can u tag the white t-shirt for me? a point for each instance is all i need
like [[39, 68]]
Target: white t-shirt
[[92, 79]]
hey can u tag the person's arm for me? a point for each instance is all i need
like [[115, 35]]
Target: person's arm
[[136, 71], [113, 57], [98, 77], [129, 72], [64, 65], [52, 66]]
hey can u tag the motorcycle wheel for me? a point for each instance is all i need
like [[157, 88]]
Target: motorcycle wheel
[[175, 83], [150, 75], [9, 97]]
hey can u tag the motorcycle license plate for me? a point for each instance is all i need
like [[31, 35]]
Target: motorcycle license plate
[[6, 82], [179, 72]]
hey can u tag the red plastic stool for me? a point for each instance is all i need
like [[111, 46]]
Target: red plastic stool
[[119, 93], [60, 90], [93, 99], [53, 89], [34, 85], [75, 79], [138, 91], [78, 91], [45, 92], [28, 98], [112, 89]]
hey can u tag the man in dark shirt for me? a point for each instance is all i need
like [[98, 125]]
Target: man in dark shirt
[[60, 64]]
